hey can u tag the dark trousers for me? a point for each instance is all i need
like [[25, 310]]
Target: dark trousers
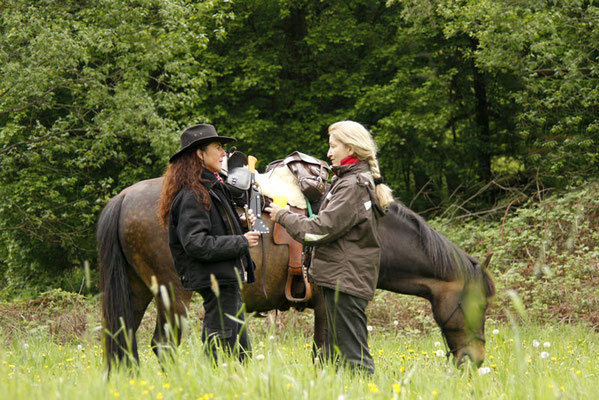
[[347, 341], [219, 330]]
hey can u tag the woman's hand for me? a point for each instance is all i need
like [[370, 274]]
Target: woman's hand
[[272, 209], [251, 216], [252, 237]]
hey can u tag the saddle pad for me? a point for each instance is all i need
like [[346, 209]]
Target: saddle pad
[[280, 181]]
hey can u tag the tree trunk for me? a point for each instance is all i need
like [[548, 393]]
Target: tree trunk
[[483, 140]]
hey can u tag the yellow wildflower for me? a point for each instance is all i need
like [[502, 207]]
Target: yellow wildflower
[[373, 388]]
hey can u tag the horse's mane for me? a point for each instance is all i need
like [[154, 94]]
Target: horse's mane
[[447, 259]]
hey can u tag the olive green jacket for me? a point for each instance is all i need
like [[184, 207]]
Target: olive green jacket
[[344, 235]]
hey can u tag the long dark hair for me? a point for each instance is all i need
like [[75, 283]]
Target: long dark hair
[[185, 171]]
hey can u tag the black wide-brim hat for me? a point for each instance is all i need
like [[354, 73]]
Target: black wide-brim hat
[[198, 135]]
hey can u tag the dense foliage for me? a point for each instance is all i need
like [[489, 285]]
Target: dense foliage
[[458, 93], [545, 254]]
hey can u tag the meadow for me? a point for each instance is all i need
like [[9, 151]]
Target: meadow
[[53, 357], [542, 332]]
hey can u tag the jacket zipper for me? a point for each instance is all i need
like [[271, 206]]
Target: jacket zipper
[[233, 230]]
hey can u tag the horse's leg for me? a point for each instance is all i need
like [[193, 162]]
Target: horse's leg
[[141, 297], [171, 307], [320, 320]]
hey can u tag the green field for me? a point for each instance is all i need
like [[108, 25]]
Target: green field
[[58, 361], [542, 332]]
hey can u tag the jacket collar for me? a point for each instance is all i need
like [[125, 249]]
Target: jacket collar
[[341, 170], [209, 178]]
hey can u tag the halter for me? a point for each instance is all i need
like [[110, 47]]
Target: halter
[[443, 330]]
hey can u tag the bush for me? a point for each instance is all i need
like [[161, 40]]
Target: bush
[[546, 250]]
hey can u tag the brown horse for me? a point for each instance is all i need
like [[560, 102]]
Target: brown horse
[[136, 267]]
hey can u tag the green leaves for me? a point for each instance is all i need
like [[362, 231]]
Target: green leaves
[[94, 94], [93, 98]]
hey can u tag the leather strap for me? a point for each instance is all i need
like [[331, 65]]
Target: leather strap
[[296, 270]]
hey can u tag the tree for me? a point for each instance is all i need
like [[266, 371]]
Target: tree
[[93, 95], [457, 93], [549, 48]]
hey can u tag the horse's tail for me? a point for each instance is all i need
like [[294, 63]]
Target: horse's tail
[[117, 311]]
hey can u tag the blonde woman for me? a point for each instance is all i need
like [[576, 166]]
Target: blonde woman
[[345, 262]]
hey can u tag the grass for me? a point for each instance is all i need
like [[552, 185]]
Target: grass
[[546, 267], [531, 361]]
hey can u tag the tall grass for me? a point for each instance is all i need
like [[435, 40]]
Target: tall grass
[[546, 267], [544, 362]]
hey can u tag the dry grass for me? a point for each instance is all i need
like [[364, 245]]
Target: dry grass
[[65, 316], [69, 316]]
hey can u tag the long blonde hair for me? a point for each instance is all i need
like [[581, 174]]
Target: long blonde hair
[[355, 135]]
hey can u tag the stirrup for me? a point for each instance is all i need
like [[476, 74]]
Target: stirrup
[[296, 275]]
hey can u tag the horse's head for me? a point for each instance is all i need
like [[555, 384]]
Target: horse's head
[[460, 313]]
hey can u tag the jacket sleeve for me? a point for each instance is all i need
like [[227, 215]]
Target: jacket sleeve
[[194, 232], [339, 216]]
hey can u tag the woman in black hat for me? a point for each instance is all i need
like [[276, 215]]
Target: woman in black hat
[[207, 238]]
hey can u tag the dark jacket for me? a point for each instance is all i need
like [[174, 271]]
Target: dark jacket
[[205, 242], [344, 235]]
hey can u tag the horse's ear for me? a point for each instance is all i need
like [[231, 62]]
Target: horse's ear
[[485, 263]]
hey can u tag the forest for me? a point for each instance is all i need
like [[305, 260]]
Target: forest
[[476, 105]]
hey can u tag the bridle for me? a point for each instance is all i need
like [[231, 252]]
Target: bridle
[[443, 325]]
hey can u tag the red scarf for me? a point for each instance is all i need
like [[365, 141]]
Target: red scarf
[[218, 177], [349, 160]]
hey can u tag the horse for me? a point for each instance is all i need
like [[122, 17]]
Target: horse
[[136, 267]]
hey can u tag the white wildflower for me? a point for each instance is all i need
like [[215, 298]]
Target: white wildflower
[[370, 328], [260, 357], [437, 344], [544, 354], [25, 346], [535, 343], [495, 331], [484, 370], [396, 322], [271, 337], [547, 344], [440, 353]]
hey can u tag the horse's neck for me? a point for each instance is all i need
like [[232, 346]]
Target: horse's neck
[[405, 266]]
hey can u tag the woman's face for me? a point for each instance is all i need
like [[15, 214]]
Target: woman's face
[[338, 151], [212, 156]]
